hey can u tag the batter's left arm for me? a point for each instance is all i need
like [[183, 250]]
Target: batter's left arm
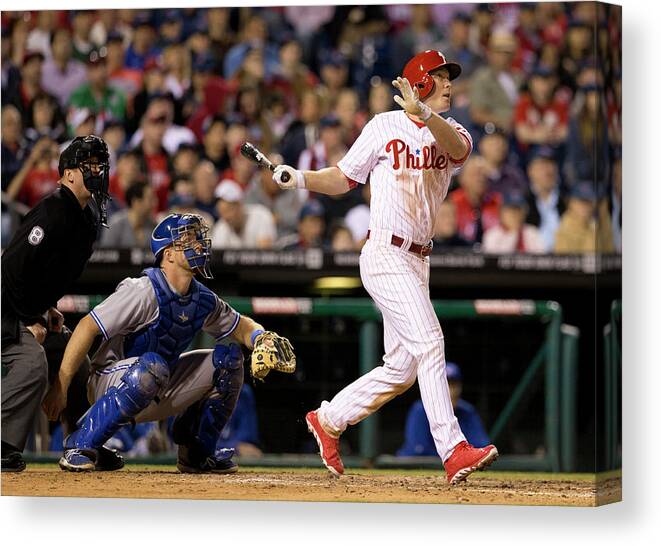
[[448, 138], [329, 181]]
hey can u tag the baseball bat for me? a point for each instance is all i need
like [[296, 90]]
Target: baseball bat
[[251, 152]]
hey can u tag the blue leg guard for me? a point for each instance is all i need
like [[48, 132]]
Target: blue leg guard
[[199, 427], [117, 407]]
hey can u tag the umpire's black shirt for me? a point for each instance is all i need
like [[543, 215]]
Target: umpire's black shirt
[[46, 255]]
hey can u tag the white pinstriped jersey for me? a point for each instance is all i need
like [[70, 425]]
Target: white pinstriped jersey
[[409, 173]]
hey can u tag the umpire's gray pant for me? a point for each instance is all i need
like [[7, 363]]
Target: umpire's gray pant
[[24, 382]]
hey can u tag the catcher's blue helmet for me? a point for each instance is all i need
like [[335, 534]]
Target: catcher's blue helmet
[[187, 232]]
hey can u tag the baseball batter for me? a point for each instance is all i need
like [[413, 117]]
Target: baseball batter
[[140, 371], [409, 157]]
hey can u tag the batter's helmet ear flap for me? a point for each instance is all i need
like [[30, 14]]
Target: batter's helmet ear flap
[[418, 68]]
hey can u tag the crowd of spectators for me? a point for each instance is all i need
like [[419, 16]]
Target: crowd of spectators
[[175, 92]]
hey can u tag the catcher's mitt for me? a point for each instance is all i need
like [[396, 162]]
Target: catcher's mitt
[[271, 352]]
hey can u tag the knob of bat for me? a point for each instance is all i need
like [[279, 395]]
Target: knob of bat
[[285, 176]]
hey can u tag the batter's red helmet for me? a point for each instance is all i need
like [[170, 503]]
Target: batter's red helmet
[[418, 68]]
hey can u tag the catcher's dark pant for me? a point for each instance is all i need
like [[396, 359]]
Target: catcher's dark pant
[[24, 381]]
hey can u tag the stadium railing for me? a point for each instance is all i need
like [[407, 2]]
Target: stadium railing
[[612, 387]]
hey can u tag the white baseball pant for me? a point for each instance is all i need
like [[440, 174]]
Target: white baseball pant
[[398, 282]]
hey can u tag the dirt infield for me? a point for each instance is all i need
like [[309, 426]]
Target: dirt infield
[[317, 485]]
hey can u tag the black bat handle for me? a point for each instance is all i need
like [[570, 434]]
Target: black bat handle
[[284, 176]]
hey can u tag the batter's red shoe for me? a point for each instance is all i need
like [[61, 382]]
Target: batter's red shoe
[[328, 446], [466, 459]]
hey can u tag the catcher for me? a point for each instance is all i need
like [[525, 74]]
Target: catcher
[[140, 371]]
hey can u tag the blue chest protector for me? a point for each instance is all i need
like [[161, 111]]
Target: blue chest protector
[[180, 318]]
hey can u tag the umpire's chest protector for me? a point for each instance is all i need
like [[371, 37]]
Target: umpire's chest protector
[[179, 319]]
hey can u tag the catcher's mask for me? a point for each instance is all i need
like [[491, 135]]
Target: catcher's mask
[[90, 155], [188, 233]]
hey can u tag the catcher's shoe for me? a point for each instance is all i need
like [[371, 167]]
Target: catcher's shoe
[[329, 448], [78, 460], [108, 460], [466, 459], [220, 463]]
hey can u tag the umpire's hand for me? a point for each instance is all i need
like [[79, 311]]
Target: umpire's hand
[[55, 400], [38, 331], [55, 320]]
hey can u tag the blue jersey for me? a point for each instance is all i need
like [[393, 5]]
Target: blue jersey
[[418, 440]]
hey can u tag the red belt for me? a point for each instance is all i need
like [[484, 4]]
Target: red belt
[[415, 248]]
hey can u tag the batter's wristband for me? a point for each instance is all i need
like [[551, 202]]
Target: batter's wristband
[[426, 112], [254, 335], [300, 181]]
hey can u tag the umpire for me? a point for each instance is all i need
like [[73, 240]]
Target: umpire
[[46, 255]]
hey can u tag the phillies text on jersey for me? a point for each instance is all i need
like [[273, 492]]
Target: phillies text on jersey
[[409, 172]]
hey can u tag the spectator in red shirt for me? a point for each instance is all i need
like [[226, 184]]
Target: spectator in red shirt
[[241, 169], [552, 21], [512, 234], [477, 208], [206, 96], [129, 80], [529, 37], [39, 175], [541, 115], [155, 159], [236, 134]]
